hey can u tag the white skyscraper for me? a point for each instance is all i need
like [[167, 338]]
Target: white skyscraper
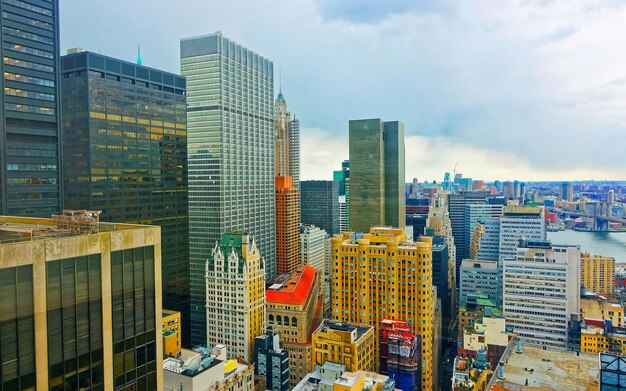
[[520, 222], [541, 291], [230, 145]]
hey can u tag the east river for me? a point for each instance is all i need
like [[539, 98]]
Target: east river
[[610, 244]]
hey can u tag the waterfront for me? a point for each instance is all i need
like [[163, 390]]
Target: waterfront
[[612, 244]]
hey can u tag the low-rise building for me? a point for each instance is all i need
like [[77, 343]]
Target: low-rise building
[[271, 362], [480, 277], [474, 308], [597, 273], [334, 377], [171, 333], [294, 310], [344, 343], [205, 369], [601, 307], [598, 337]]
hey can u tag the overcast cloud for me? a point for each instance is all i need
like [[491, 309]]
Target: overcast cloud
[[529, 90]]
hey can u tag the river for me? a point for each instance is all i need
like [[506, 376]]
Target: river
[[610, 244]]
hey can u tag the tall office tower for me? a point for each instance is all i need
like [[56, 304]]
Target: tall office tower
[[328, 275], [318, 205], [30, 173], [520, 222], [403, 291], [376, 174], [442, 280], [286, 142], [477, 235], [80, 303], [517, 190], [474, 214], [567, 191], [350, 344], [129, 123], [287, 226], [342, 179], [230, 127], [488, 248], [235, 295], [456, 209], [541, 291], [414, 188], [480, 277], [508, 190], [271, 362], [597, 273], [294, 310]]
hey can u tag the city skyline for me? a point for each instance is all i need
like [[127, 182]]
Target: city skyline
[[479, 86]]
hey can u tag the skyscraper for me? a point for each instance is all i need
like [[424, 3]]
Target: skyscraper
[[474, 214], [287, 142], [318, 205], [230, 123], [125, 153], [342, 179], [520, 222], [364, 294], [30, 168], [376, 174], [80, 304], [456, 209], [542, 291], [235, 295], [287, 226]]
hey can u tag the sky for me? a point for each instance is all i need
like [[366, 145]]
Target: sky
[[528, 89]]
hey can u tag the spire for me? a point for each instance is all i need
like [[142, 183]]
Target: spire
[[138, 55], [280, 98]]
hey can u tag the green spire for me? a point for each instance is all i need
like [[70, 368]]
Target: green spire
[[138, 55]]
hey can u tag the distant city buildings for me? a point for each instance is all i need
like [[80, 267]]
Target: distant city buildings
[[376, 174], [235, 295], [230, 123]]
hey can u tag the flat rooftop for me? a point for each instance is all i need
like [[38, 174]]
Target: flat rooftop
[[553, 371], [70, 223], [291, 288], [361, 330]]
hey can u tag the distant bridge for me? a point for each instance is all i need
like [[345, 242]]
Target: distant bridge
[[601, 218]]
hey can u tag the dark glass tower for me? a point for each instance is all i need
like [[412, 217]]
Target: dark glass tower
[[125, 148], [319, 205], [29, 109]]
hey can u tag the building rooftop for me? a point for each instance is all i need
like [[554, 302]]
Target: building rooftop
[[328, 324], [291, 288], [479, 264], [548, 370], [70, 223]]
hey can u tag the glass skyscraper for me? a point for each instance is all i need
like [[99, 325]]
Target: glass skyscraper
[[230, 114], [125, 153], [29, 109]]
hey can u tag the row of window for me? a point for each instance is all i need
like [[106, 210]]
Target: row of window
[[30, 7], [27, 35], [28, 64], [31, 167], [28, 50], [28, 79], [29, 109], [28, 21]]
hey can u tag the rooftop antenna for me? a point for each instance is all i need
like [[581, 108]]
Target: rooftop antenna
[[138, 54], [280, 80]]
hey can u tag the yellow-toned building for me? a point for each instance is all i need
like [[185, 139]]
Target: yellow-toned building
[[294, 310], [597, 273], [361, 381], [171, 327], [235, 295], [382, 274], [71, 292], [594, 340], [597, 307], [352, 345], [477, 235]]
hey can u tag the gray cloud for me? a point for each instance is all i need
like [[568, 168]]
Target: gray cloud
[[483, 76]]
